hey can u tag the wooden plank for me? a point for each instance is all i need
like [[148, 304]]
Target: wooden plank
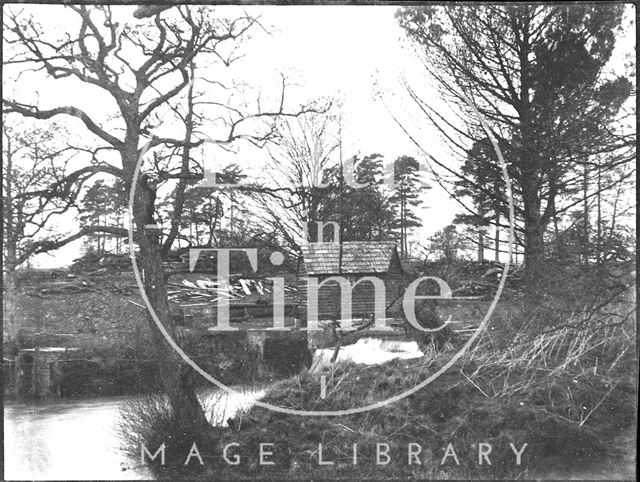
[[245, 286], [258, 285]]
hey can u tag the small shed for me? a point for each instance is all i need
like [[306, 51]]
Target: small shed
[[352, 260]]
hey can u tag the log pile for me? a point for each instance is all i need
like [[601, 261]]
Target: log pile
[[210, 290], [101, 263], [176, 261], [65, 287]]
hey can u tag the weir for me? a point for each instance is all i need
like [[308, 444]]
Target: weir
[[37, 371]]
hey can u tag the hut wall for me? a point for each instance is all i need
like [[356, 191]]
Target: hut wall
[[302, 291], [363, 295]]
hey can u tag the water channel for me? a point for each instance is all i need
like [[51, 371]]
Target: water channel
[[79, 439]]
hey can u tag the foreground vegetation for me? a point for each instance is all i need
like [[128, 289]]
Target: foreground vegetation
[[568, 391]]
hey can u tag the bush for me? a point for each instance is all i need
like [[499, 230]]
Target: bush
[[150, 420]]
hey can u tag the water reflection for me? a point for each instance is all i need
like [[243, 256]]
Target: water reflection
[[79, 440]]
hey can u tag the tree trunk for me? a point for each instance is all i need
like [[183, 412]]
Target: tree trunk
[[533, 239], [10, 301], [175, 375], [313, 235], [599, 218], [585, 219], [529, 175], [614, 214], [496, 240], [402, 227], [231, 219], [533, 256], [178, 202], [556, 235], [10, 261], [480, 244]]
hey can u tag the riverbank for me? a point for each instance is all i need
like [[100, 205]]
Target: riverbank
[[564, 401]]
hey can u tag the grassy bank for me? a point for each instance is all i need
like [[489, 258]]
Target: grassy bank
[[569, 416], [568, 394]]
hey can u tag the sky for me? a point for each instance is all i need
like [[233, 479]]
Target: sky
[[345, 52]]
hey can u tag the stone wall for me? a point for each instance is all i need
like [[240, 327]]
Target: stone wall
[[9, 377], [37, 371], [273, 353]]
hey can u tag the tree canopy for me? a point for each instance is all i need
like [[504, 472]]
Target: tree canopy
[[538, 74]]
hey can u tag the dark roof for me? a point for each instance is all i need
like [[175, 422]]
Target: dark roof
[[357, 257]]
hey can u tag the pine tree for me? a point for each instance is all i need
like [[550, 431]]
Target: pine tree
[[405, 197]]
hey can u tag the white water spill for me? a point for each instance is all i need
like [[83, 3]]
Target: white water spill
[[79, 440], [367, 351]]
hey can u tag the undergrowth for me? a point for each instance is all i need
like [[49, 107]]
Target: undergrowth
[[567, 392]]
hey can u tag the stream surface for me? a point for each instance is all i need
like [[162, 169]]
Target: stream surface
[[80, 440]]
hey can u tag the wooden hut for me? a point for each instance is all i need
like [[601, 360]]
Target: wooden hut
[[353, 261]]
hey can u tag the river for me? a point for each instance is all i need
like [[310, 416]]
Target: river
[[78, 440]]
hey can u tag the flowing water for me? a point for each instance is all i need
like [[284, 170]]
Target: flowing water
[[76, 440], [79, 440], [367, 351]]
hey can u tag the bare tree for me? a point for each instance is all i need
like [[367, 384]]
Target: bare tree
[[306, 148], [142, 68], [32, 159]]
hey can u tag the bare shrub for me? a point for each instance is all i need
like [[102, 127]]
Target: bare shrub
[[149, 420], [577, 385]]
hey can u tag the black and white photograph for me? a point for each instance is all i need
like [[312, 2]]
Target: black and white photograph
[[249, 240]]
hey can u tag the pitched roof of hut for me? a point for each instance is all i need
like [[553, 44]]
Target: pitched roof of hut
[[364, 257]]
